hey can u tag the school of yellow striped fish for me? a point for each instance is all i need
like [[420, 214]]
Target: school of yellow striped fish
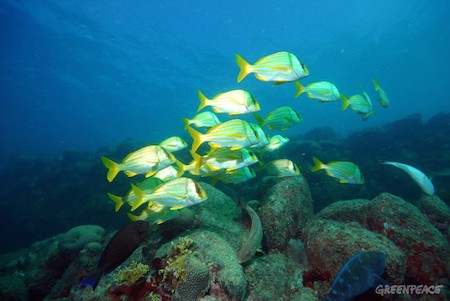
[[227, 151]]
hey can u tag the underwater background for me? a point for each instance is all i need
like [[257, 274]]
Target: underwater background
[[85, 79]]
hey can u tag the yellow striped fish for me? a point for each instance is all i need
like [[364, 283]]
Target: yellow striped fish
[[173, 144], [176, 194], [344, 171], [279, 67], [280, 119], [322, 91], [361, 104], [235, 133], [233, 102], [147, 160], [383, 99], [224, 159], [281, 168]]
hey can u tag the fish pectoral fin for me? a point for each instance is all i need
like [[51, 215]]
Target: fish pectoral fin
[[149, 174], [177, 207], [260, 250], [130, 173]]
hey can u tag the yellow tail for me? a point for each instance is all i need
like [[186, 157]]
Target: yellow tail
[[244, 66], [186, 122], [113, 168], [259, 119], [375, 83], [317, 165], [133, 217], [118, 202], [197, 136], [346, 102], [203, 100], [181, 168], [198, 162], [140, 197], [300, 89]]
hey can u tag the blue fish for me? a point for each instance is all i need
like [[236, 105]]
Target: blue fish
[[360, 273]]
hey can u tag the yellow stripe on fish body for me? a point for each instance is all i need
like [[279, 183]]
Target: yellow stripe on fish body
[[322, 91], [203, 119], [173, 144], [359, 103], [146, 160], [228, 160], [279, 67], [167, 174], [383, 99], [233, 102], [176, 194], [282, 168], [280, 119], [235, 133], [344, 171]]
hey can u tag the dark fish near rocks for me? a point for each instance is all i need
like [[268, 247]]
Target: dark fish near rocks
[[360, 273], [119, 248]]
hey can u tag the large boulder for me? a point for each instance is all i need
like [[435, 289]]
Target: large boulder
[[285, 210]]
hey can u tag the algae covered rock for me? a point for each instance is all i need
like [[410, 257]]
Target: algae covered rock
[[436, 210], [425, 247], [74, 240], [329, 244], [285, 210], [273, 277]]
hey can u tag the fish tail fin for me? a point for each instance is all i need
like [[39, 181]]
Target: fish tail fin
[[300, 89], [113, 168], [259, 119], [317, 165], [118, 201], [132, 217], [140, 194], [375, 83], [185, 122], [181, 168], [203, 100], [346, 102], [244, 66], [92, 279], [197, 137], [198, 161]]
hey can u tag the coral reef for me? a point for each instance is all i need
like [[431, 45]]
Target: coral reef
[[194, 256], [75, 239]]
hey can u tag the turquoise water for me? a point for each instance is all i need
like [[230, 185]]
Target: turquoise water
[[85, 74]]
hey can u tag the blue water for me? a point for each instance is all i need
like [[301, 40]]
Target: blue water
[[86, 74]]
